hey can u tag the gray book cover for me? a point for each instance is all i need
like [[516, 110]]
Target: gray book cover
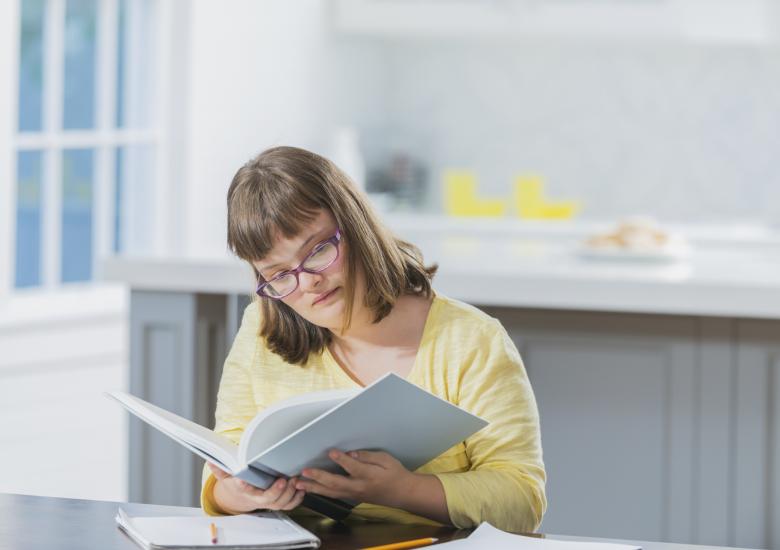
[[391, 415]]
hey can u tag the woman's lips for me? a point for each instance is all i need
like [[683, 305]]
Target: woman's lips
[[325, 296]]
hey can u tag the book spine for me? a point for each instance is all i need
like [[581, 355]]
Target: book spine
[[330, 507], [258, 478]]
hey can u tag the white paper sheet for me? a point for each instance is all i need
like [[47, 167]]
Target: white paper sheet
[[486, 536]]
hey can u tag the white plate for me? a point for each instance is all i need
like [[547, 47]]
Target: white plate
[[672, 252]]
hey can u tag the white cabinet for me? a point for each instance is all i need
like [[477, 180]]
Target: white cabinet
[[698, 20], [60, 352]]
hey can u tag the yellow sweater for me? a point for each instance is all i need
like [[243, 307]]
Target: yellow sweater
[[466, 357]]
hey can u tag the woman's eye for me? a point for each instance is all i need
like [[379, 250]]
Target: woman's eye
[[271, 276]]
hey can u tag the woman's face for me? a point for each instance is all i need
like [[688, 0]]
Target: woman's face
[[319, 297]]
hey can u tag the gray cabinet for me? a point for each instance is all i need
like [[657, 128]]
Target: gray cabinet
[[656, 427], [178, 342], [756, 435]]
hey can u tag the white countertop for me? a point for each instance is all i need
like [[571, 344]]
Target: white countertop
[[736, 274]]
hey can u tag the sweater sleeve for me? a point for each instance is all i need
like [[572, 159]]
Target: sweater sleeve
[[236, 405], [505, 482]]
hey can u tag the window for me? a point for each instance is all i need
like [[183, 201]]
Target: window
[[86, 139]]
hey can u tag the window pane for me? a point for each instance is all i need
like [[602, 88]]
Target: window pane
[[77, 174], [120, 65], [80, 45], [136, 53], [31, 66], [134, 217], [28, 219]]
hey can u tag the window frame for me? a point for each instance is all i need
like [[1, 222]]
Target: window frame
[[9, 67], [104, 139]]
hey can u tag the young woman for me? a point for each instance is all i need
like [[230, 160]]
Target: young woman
[[341, 302]]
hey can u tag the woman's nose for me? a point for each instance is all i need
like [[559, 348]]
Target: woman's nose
[[309, 281]]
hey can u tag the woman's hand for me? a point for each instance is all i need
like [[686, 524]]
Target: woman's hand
[[374, 477], [236, 496]]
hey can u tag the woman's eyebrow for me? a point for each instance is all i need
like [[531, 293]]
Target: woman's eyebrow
[[307, 241]]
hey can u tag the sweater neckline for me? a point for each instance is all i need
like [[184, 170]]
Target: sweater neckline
[[426, 336]]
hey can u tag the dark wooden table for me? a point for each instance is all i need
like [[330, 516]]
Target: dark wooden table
[[31, 522]]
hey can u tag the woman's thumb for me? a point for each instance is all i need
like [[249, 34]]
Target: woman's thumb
[[218, 473]]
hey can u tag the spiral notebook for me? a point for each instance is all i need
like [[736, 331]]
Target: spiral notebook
[[272, 530]]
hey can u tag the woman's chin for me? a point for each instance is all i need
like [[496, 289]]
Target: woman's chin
[[331, 318]]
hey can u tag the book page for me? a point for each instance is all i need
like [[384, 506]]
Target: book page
[[285, 417], [195, 437]]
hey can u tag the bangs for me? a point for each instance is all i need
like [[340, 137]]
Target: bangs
[[265, 206]]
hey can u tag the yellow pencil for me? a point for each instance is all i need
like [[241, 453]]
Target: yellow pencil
[[213, 529], [402, 545]]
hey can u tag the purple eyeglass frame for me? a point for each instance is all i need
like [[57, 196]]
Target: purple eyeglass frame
[[335, 239]]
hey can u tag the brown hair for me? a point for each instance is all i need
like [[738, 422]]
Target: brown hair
[[281, 190]]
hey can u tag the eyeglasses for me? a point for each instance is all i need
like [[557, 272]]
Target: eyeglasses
[[319, 259]]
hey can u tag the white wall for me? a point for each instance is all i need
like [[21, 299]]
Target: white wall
[[687, 132], [682, 131], [258, 71]]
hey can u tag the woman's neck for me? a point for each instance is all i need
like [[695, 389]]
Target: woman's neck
[[402, 327]]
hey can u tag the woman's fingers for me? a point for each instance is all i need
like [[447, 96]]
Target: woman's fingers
[[320, 489], [327, 479], [272, 493], [296, 501], [351, 464], [378, 458], [330, 485], [282, 494], [250, 490], [285, 497]]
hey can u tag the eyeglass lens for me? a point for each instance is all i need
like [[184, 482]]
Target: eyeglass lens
[[318, 260]]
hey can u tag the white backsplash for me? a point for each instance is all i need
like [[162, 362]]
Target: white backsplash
[[680, 132]]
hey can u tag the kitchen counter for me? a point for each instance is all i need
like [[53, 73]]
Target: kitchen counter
[[736, 274]]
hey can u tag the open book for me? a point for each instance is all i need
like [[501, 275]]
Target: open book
[[390, 415]]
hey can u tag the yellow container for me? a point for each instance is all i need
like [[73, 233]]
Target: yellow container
[[460, 197], [564, 210], [531, 203]]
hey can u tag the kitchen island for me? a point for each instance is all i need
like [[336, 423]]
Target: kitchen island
[[657, 383]]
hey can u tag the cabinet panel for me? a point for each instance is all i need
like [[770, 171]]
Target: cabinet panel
[[654, 427], [757, 436], [616, 397], [177, 346], [713, 486]]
